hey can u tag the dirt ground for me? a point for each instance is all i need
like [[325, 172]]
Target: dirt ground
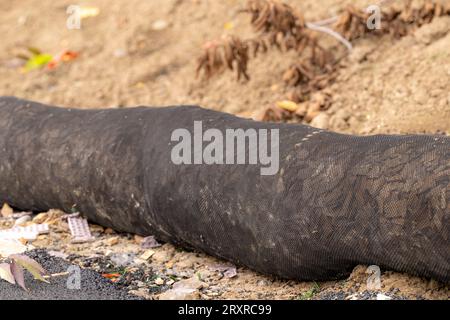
[[144, 53]]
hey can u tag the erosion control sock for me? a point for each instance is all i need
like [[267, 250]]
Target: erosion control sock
[[283, 199]]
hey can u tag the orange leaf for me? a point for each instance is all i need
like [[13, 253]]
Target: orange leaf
[[69, 55], [111, 275]]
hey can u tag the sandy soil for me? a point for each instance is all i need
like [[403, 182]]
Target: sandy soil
[[126, 58]]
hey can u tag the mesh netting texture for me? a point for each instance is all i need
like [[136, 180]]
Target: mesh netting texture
[[335, 202]]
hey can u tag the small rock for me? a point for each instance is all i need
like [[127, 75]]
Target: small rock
[[138, 239], [381, 296], [159, 25], [6, 210], [149, 243], [313, 111], [142, 292], [159, 281], [184, 290], [321, 121], [122, 259], [161, 256], [120, 53], [58, 254], [171, 272], [230, 273], [112, 241], [262, 283], [185, 264], [96, 228], [352, 297], [170, 282], [180, 294], [227, 270], [301, 110], [21, 214], [22, 220], [109, 231], [22, 20], [204, 273], [193, 283]]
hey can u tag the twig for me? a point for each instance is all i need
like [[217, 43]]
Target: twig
[[332, 33], [56, 275], [326, 22]]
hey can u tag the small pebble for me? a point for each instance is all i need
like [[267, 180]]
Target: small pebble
[[22, 220], [159, 25]]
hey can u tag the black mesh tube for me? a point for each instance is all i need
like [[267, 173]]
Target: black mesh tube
[[335, 202]]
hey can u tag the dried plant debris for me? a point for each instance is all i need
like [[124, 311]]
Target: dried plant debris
[[309, 77], [274, 114], [397, 21], [272, 16], [231, 53], [280, 26], [283, 27]]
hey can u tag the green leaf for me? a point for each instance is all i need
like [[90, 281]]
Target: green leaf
[[38, 61]]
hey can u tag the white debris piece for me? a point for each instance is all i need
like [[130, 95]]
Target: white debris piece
[[381, 296], [11, 246], [79, 228], [22, 220], [30, 232]]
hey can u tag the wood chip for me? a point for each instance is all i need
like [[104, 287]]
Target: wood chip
[[147, 254]]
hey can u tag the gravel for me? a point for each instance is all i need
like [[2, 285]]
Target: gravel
[[93, 285]]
